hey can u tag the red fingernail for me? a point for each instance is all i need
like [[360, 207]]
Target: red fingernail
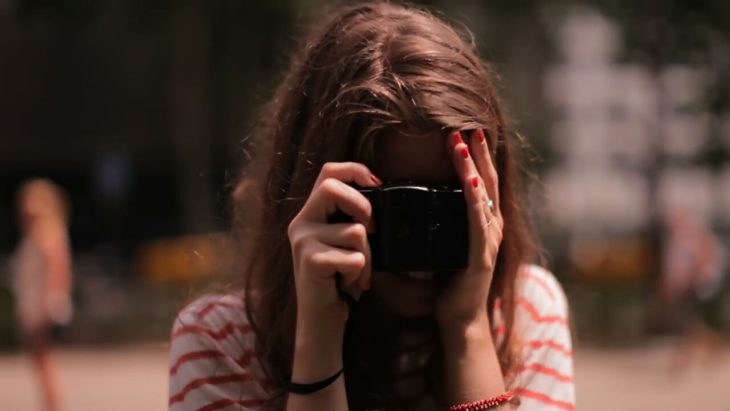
[[376, 180], [480, 135], [475, 181], [465, 151], [371, 226], [456, 137]]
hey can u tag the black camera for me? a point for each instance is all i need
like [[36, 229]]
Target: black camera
[[417, 228]]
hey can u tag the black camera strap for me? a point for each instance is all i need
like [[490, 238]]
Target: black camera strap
[[351, 305]]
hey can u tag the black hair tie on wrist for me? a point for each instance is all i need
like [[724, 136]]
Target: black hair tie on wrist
[[311, 388]]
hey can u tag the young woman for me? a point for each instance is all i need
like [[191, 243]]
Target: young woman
[[378, 93], [41, 267]]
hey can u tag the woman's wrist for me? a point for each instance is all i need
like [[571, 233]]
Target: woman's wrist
[[317, 359], [315, 362], [457, 335], [471, 366], [317, 349]]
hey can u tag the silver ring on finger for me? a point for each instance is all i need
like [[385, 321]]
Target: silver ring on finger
[[490, 204]]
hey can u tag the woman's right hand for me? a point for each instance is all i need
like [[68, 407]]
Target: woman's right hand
[[320, 250]]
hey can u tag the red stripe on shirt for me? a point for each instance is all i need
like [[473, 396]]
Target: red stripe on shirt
[[213, 304], [198, 382], [540, 281], [195, 355], [228, 401], [550, 343], [536, 316], [218, 335], [544, 398], [544, 370], [245, 358]]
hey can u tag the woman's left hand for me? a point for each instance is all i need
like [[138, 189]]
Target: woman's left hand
[[464, 300]]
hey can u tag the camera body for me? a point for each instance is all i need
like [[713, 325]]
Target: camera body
[[417, 228]]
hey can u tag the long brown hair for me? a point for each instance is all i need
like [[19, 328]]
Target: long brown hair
[[367, 70]]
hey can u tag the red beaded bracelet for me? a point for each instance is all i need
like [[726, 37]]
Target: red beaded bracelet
[[485, 404]]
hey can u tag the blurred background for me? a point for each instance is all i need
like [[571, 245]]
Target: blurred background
[[140, 111]]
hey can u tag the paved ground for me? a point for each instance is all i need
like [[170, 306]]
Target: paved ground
[[135, 378], [648, 379]]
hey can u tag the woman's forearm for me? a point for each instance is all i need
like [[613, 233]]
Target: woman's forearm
[[471, 366], [318, 355]]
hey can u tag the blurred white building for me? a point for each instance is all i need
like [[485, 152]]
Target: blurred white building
[[613, 119]]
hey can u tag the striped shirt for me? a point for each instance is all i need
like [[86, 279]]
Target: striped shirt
[[213, 365]]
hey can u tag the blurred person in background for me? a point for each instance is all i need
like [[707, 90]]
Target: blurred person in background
[[41, 269], [692, 285], [379, 93]]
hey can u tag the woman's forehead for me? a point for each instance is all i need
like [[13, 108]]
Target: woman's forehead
[[423, 159]]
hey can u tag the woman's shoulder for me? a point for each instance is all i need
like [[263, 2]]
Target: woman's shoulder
[[218, 320], [212, 355], [539, 302], [544, 377], [212, 310], [540, 288], [540, 305], [542, 318]]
